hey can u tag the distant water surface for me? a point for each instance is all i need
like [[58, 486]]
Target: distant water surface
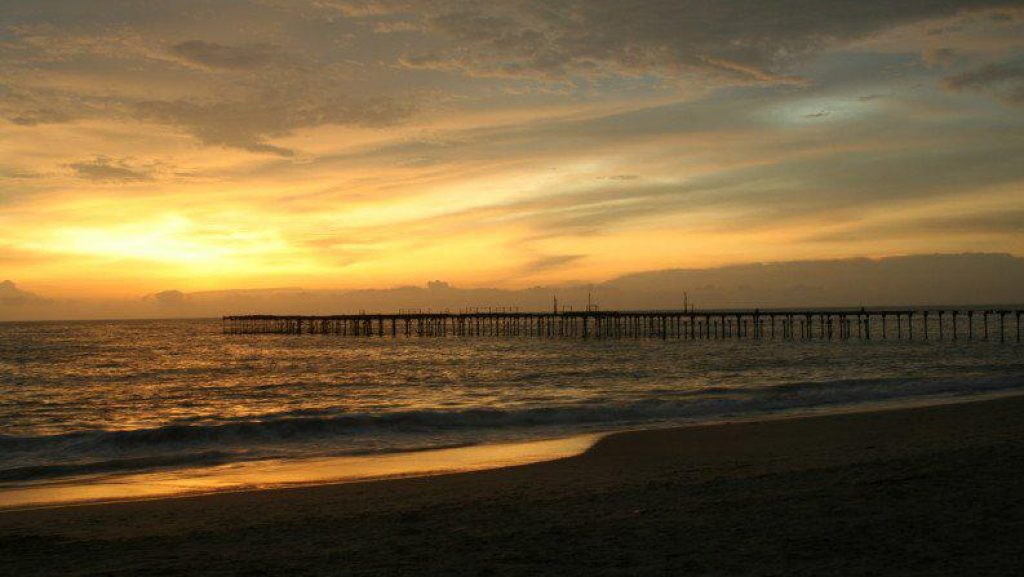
[[105, 398]]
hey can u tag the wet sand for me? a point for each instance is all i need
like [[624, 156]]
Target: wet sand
[[926, 491], [271, 474]]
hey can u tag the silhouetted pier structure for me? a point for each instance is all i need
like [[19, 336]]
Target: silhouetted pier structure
[[822, 324]]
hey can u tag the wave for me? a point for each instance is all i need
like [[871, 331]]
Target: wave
[[84, 467], [332, 431], [311, 424], [48, 471]]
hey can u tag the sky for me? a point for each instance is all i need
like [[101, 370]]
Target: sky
[[202, 145]]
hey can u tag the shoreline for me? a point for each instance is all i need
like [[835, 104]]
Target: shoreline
[[273, 475], [930, 490]]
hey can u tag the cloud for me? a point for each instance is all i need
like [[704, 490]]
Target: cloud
[[12, 296], [299, 72], [1006, 222], [50, 43], [222, 56], [274, 107], [39, 106], [398, 26], [247, 124], [109, 170], [827, 167], [551, 262], [170, 298], [944, 57], [36, 116], [772, 192], [620, 121], [364, 8], [226, 88], [745, 40], [1005, 79], [923, 279], [819, 114], [14, 173]]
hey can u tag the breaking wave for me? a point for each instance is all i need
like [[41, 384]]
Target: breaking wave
[[335, 431]]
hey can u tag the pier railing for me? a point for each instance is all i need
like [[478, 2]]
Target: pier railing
[[864, 324]]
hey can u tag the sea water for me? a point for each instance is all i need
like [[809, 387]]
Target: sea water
[[81, 400]]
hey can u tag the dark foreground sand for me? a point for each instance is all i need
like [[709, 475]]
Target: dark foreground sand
[[935, 491]]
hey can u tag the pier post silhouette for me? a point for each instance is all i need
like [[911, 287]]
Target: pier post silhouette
[[738, 325]]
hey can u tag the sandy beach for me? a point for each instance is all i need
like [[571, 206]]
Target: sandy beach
[[925, 491]]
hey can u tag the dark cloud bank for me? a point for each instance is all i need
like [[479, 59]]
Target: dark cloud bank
[[950, 279], [1003, 78], [744, 41], [753, 40]]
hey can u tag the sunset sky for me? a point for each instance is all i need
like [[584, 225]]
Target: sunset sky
[[195, 145]]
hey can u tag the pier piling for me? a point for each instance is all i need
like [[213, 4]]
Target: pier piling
[[790, 325]]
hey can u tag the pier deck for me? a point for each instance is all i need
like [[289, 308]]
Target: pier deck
[[813, 324]]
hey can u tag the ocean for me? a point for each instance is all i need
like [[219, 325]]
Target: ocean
[[83, 400]]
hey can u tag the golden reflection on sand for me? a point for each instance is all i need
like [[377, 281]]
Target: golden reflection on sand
[[270, 474]]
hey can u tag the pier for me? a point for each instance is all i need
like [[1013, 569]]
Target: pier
[[940, 324]]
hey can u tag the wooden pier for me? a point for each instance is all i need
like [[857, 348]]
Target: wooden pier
[[940, 324]]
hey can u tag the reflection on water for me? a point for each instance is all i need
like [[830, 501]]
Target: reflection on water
[[101, 399], [295, 472]]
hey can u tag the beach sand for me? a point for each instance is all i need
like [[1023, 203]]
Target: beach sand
[[926, 491]]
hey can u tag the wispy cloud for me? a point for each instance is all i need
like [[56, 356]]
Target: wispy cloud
[[110, 170], [1004, 78], [227, 57], [998, 223], [368, 142], [746, 41]]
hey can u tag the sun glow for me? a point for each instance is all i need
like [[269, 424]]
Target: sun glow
[[171, 158], [167, 240], [179, 246]]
